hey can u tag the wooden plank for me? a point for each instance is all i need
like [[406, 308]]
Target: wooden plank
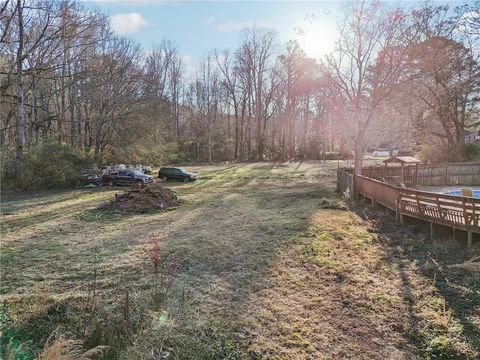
[[444, 209]]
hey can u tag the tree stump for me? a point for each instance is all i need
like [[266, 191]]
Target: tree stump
[[120, 196]]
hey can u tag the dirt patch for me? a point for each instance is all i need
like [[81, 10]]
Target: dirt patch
[[143, 200]]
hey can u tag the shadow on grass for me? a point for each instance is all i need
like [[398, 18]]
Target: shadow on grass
[[444, 302], [12, 202], [225, 242]]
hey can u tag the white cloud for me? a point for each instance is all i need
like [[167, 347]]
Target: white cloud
[[128, 23]]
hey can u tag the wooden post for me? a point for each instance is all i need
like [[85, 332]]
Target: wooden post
[[469, 239], [416, 176], [398, 212], [446, 174], [338, 180], [354, 187], [431, 230]]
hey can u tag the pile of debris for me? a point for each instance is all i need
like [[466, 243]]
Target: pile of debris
[[149, 198], [472, 265]]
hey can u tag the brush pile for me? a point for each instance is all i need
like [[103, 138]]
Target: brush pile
[[149, 198], [472, 265]]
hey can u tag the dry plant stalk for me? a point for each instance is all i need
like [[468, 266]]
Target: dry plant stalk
[[60, 348]]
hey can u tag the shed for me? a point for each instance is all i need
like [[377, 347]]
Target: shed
[[403, 161]]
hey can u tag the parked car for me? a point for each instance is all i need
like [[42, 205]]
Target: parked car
[[175, 173], [127, 177], [88, 178]]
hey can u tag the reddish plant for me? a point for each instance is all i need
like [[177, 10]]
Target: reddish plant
[[164, 268], [155, 252]]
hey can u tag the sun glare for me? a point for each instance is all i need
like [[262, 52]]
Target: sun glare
[[316, 39]]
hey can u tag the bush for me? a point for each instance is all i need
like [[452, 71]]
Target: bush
[[46, 166], [437, 152], [471, 152], [332, 155]]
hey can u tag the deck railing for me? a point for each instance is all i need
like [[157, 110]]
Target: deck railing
[[377, 191], [455, 211]]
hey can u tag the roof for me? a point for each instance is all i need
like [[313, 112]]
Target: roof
[[403, 160]]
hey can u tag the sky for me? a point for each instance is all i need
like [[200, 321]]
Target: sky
[[198, 27]]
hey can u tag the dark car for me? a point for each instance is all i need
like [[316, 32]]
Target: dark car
[[88, 178], [175, 173], [127, 177]]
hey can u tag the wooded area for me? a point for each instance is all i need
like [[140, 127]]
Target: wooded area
[[399, 78]]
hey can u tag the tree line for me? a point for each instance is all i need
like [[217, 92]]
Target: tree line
[[398, 78]]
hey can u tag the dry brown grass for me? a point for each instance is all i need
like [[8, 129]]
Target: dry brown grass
[[271, 265], [327, 294], [60, 348]]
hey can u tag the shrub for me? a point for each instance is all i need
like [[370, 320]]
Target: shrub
[[332, 155], [471, 151], [46, 166], [437, 151]]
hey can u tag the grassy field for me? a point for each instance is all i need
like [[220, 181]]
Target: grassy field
[[259, 261]]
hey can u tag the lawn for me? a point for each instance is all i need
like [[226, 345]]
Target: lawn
[[260, 260]]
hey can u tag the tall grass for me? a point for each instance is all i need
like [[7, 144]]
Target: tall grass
[[60, 348]]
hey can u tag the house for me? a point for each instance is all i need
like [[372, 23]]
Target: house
[[381, 153]]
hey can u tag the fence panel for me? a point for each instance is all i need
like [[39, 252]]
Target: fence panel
[[428, 175]]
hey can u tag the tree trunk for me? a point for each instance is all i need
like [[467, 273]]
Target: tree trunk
[[235, 152], [209, 140], [359, 153], [33, 114], [259, 141], [20, 99]]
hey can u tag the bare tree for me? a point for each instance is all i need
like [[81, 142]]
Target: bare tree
[[204, 96], [366, 65], [260, 78]]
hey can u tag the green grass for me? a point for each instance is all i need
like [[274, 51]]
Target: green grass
[[271, 265]]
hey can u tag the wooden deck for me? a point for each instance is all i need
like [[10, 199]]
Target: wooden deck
[[457, 212]]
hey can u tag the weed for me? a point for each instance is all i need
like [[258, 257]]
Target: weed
[[60, 348], [164, 269]]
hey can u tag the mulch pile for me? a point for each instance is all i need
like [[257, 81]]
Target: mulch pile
[[149, 198]]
